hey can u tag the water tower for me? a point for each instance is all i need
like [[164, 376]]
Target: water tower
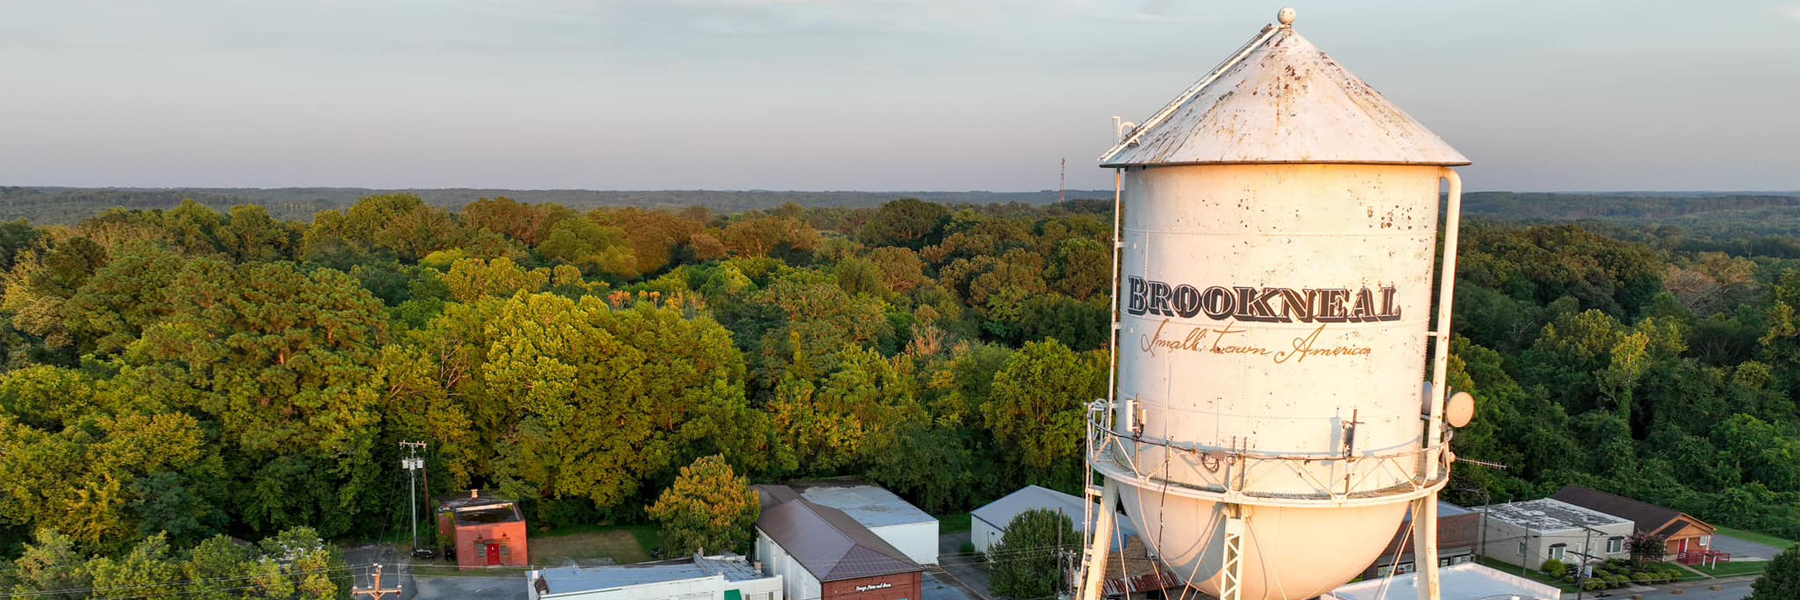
[[1275, 231]]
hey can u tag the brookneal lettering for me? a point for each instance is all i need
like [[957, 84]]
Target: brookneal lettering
[[1262, 305]]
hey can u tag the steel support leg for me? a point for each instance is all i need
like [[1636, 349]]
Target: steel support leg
[[1425, 545], [1093, 570], [1231, 579]]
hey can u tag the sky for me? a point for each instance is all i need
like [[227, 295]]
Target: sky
[[853, 94]]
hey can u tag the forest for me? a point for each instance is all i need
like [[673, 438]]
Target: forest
[[168, 376]]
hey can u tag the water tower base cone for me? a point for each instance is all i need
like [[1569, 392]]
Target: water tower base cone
[[1319, 548]]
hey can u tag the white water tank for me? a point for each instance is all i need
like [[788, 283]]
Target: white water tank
[[1278, 225]]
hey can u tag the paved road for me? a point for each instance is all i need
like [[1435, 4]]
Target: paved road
[[433, 581], [966, 571], [1742, 548], [1730, 589]]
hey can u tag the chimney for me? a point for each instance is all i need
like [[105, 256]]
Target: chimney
[[473, 494]]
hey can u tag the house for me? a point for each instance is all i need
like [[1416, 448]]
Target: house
[[1459, 530], [988, 523], [1680, 532], [821, 553], [1466, 581], [483, 531], [1531, 532], [897, 521], [723, 577]]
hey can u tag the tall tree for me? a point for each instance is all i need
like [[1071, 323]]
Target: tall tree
[[709, 508]]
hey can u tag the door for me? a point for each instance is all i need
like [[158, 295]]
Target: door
[[493, 554]]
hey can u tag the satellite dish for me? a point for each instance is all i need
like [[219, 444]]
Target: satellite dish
[[1460, 409]]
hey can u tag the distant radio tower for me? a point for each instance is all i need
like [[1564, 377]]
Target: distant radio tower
[[1062, 182]]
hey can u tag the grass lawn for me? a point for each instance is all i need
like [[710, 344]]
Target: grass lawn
[[1760, 538], [1734, 568], [1533, 575], [623, 544], [953, 523]]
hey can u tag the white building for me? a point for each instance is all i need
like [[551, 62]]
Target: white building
[[988, 523], [1467, 581], [896, 521], [724, 577], [820, 553], [1531, 532]]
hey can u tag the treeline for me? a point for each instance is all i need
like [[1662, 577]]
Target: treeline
[[191, 372], [68, 205], [1661, 374]]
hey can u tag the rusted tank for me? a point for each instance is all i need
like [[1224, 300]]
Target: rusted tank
[[1277, 235]]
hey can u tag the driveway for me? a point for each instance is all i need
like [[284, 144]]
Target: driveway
[[1741, 549], [962, 569]]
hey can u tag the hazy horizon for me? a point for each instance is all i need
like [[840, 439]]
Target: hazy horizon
[[870, 95]]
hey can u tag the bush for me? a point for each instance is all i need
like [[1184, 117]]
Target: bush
[[1555, 568], [967, 548]]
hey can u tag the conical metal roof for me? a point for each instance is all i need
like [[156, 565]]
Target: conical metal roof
[[1280, 99]]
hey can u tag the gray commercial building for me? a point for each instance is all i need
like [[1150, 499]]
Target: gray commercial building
[[1531, 532]]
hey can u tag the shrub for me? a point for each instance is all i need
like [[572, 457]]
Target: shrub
[[1555, 568]]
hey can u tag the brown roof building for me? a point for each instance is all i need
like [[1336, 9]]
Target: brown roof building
[[1681, 533], [822, 553], [1458, 529]]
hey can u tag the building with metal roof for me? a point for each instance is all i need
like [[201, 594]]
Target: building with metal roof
[[822, 553], [895, 520], [1530, 532], [1467, 581], [722, 577], [988, 523]]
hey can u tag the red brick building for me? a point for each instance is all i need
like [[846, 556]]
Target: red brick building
[[1458, 529], [483, 531]]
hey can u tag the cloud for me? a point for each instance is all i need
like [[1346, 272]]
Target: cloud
[[1791, 11]]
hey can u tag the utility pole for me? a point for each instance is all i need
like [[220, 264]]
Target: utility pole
[[412, 463], [1581, 572], [376, 592], [1062, 183]]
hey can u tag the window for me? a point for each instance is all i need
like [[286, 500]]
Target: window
[[1521, 548], [1706, 541], [1556, 550], [1615, 545]]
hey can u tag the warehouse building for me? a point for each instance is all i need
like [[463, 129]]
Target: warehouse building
[[988, 523], [723, 577], [820, 553], [902, 525], [1531, 532]]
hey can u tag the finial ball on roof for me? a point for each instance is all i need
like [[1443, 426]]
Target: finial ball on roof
[[1286, 16]]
